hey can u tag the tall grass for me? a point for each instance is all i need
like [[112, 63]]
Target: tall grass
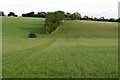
[[78, 49]]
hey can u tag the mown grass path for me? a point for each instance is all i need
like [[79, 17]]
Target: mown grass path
[[26, 52]]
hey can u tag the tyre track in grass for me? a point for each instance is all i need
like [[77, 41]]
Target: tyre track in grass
[[19, 66], [12, 63], [19, 56]]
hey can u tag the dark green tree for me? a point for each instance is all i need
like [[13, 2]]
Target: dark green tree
[[102, 19], [95, 18], [59, 16], [2, 13], [112, 20], [86, 17], [118, 20], [12, 14], [31, 14], [76, 16], [49, 22], [68, 16], [41, 14], [53, 20]]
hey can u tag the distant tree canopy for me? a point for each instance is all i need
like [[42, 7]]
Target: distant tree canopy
[[32, 14], [74, 16], [85, 18], [118, 20], [68, 16], [12, 14], [53, 20], [112, 20], [2, 13], [41, 14], [100, 19], [108, 20], [60, 15], [95, 18]]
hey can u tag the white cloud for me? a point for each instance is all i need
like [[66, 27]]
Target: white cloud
[[107, 8]]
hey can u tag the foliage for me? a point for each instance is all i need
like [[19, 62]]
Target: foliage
[[2, 13], [41, 14], [85, 18], [69, 16], [75, 16], [102, 19], [32, 35], [31, 14], [53, 20], [12, 14]]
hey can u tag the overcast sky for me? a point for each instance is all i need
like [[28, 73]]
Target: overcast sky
[[96, 8]]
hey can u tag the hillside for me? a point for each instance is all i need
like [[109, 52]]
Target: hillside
[[76, 28], [77, 49], [88, 29]]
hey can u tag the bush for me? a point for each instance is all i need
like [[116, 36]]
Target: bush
[[32, 35]]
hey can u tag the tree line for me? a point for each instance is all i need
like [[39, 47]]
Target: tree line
[[68, 16], [100, 19], [54, 19], [32, 14], [10, 14]]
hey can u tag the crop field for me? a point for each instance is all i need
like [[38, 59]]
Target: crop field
[[77, 49]]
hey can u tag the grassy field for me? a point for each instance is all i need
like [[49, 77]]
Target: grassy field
[[77, 49]]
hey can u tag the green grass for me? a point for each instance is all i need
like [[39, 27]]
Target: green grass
[[88, 29], [77, 49]]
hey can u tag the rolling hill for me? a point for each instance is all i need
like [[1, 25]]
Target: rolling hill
[[77, 49]]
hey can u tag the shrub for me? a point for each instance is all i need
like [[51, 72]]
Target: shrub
[[32, 35]]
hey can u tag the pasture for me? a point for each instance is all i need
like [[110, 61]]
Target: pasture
[[77, 49]]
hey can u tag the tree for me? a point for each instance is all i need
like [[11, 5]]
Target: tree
[[59, 16], [41, 14], [2, 13], [49, 22], [95, 18], [91, 18], [112, 20], [118, 20], [53, 20], [12, 14], [78, 15], [31, 14], [75, 16], [68, 16], [86, 17], [102, 19]]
